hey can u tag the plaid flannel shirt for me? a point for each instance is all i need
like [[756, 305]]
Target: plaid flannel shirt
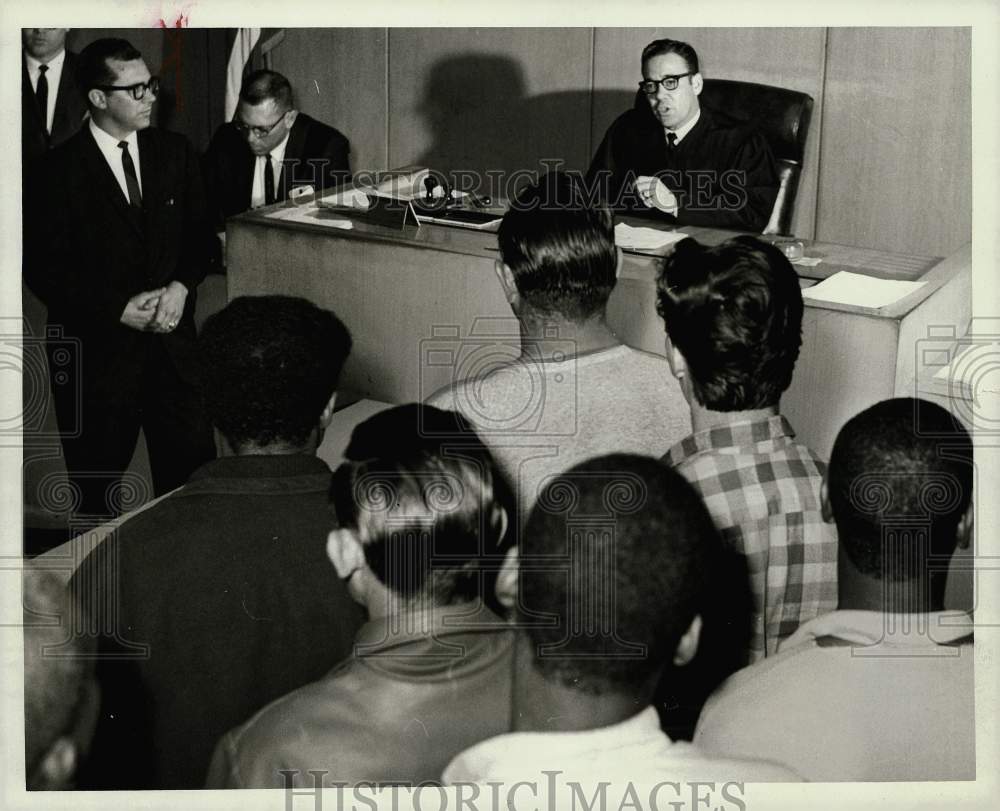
[[762, 490]]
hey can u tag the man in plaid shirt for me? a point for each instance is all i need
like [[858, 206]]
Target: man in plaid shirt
[[733, 317]]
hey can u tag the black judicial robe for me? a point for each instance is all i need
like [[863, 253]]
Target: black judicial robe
[[722, 172]]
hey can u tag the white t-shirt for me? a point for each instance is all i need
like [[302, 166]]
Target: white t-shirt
[[632, 764]]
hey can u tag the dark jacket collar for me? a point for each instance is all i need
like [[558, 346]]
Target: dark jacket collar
[[433, 642], [261, 467]]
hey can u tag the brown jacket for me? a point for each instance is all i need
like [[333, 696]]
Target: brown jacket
[[416, 693]]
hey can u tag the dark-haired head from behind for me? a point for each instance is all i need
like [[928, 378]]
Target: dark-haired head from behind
[[614, 568], [899, 488], [557, 250], [92, 65], [734, 313], [271, 369], [422, 511]]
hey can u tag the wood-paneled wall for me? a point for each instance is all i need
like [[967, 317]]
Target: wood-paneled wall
[[889, 157], [896, 145]]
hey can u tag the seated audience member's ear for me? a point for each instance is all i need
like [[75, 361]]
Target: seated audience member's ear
[[824, 502], [327, 415], [965, 525], [506, 586], [676, 361], [345, 552], [688, 646], [697, 83], [506, 277]]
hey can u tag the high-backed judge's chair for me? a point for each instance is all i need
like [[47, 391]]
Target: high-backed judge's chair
[[783, 118]]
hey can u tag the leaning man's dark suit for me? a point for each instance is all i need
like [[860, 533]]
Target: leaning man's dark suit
[[87, 252], [316, 155], [66, 120], [722, 172]]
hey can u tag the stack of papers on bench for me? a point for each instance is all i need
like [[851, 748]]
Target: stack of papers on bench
[[630, 238]]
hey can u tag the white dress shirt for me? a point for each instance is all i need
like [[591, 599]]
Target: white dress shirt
[[681, 131], [52, 76], [277, 156], [856, 695], [108, 145]]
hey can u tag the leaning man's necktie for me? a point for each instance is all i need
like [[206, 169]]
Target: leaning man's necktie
[[42, 96], [671, 140], [268, 181], [131, 179]]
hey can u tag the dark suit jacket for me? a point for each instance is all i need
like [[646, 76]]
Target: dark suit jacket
[[87, 252], [227, 584], [71, 107], [722, 172], [229, 164]]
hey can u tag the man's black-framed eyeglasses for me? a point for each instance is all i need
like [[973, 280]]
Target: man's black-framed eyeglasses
[[138, 91], [650, 86], [257, 132]]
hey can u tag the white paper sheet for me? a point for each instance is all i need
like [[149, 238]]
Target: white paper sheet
[[309, 214], [644, 239], [845, 287]]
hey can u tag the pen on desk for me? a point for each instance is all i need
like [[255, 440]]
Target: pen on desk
[[477, 201]]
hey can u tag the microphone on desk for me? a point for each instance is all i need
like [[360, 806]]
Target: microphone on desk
[[430, 201]]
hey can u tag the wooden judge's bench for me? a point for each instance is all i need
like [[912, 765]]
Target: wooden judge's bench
[[424, 306]]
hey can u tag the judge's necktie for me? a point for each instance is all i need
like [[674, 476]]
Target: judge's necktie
[[42, 96], [268, 181], [671, 140], [131, 180]]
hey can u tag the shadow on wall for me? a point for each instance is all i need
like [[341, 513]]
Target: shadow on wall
[[479, 117]]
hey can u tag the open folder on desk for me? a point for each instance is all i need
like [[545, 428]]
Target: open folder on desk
[[644, 240]]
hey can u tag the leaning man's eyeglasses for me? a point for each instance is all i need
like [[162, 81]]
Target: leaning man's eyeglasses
[[257, 132], [138, 91], [650, 86]]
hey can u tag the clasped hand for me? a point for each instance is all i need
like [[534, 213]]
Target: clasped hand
[[158, 310], [654, 194]]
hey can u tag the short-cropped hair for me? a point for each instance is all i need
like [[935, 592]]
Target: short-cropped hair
[[271, 364], [899, 481], [92, 68], [262, 85], [661, 47], [614, 567], [55, 670], [560, 248], [425, 496], [734, 311]]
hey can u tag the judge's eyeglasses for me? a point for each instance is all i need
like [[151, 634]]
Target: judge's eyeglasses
[[650, 86]]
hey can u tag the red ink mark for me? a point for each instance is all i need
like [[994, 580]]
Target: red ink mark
[[182, 22], [173, 59]]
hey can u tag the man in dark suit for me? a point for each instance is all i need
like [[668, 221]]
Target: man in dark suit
[[270, 148], [117, 239], [52, 106], [672, 158]]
